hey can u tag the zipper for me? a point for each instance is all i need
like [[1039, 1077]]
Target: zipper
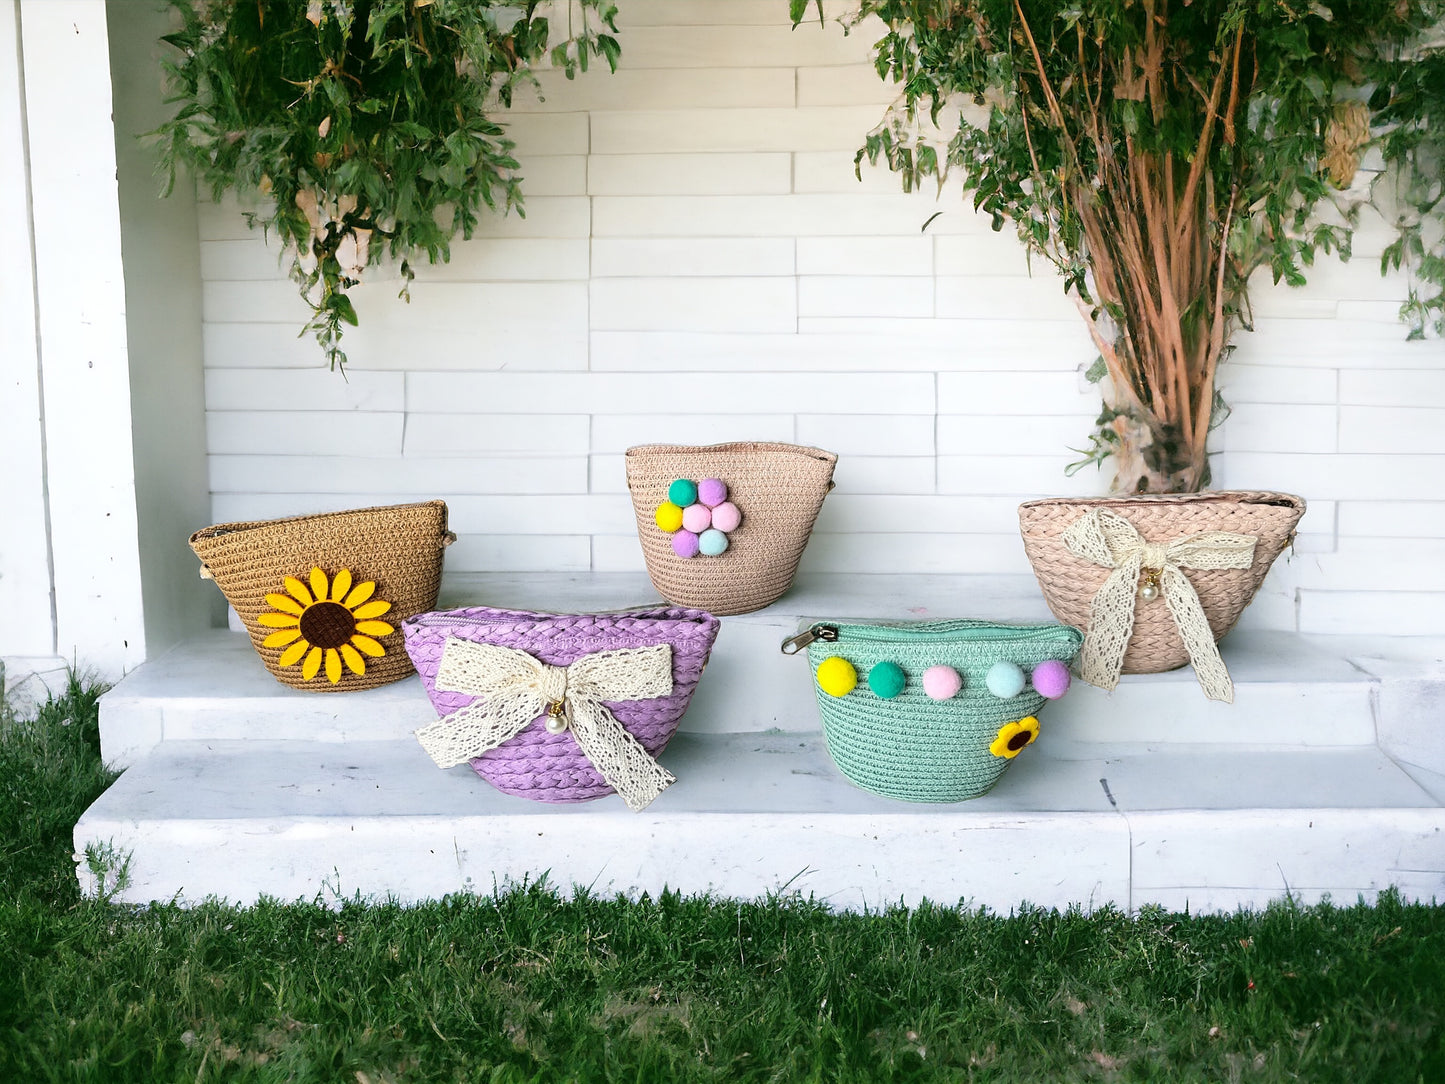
[[434, 621], [942, 632], [793, 644], [442, 620]]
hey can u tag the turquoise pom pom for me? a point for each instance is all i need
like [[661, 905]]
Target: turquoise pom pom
[[682, 493], [887, 679], [1005, 679], [712, 543]]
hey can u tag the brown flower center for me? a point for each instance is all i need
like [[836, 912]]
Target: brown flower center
[[327, 624], [1019, 740]]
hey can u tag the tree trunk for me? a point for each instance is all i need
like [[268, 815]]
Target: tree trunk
[[1151, 457]]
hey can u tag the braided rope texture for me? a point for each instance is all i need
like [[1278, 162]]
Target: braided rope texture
[[778, 487], [400, 547], [1069, 583], [551, 767], [924, 750]]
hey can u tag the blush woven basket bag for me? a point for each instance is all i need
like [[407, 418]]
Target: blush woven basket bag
[[520, 652], [918, 711], [1169, 525], [323, 596], [771, 494]]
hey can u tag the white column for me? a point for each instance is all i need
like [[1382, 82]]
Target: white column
[[79, 314], [27, 625]]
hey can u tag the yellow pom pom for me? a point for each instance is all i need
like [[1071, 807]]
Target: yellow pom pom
[[669, 516], [836, 676]]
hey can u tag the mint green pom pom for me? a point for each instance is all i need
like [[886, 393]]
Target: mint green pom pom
[[712, 543], [1005, 679], [682, 493], [886, 679]]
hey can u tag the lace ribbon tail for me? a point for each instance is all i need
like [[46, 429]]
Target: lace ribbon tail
[[1194, 631], [619, 758], [1111, 623], [467, 732]]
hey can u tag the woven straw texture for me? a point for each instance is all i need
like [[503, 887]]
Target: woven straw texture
[[399, 547], [912, 746], [779, 489], [550, 767], [1069, 583]]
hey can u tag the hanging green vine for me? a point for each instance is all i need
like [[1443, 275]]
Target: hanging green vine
[[1409, 101], [368, 125]]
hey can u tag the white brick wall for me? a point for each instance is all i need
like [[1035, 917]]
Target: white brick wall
[[698, 263]]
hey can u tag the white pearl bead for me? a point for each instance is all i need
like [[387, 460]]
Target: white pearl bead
[[1149, 592], [555, 724]]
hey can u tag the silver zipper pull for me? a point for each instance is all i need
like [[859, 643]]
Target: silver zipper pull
[[793, 644]]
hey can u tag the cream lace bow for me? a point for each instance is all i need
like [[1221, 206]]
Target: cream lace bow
[[514, 689], [1108, 539]]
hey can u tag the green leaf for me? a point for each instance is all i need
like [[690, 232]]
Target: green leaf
[[342, 304]]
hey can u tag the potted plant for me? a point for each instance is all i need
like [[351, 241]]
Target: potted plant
[[1157, 153], [366, 126]]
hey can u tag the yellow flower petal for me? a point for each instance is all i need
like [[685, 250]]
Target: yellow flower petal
[[281, 639], [359, 594], [333, 665], [340, 585], [374, 628], [284, 603], [312, 664], [371, 609], [320, 586], [368, 645], [1006, 745], [297, 588], [293, 654], [353, 659], [279, 621]]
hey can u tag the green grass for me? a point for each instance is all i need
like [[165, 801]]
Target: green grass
[[527, 987]]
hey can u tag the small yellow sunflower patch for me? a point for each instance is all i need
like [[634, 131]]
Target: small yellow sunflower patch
[[326, 623], [1013, 737]]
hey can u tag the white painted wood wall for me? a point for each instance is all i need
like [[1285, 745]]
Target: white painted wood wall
[[698, 263]]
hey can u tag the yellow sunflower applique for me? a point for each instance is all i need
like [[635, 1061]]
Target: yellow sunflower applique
[[332, 622], [1012, 737]]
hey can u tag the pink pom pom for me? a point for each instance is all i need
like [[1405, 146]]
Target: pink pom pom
[[696, 518], [684, 544], [941, 682], [1050, 679], [712, 492], [726, 517]]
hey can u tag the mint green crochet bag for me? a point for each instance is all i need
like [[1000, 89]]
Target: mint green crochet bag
[[913, 741]]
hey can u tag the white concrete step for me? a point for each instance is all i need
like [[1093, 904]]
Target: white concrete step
[[1327, 775], [1290, 690], [1200, 826]]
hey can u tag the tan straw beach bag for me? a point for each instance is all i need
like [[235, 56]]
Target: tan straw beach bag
[[323, 596], [1127, 568], [723, 526]]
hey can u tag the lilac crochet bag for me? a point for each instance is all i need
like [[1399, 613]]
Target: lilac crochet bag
[[533, 690]]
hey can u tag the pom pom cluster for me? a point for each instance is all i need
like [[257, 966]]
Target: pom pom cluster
[[1005, 679], [699, 517]]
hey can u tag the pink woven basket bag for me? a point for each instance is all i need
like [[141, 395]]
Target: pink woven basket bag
[[544, 759]]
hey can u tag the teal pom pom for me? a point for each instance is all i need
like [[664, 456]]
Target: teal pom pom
[[886, 679], [1005, 679], [682, 493]]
